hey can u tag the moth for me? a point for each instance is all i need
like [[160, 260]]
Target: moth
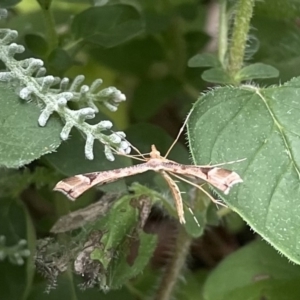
[[220, 178]]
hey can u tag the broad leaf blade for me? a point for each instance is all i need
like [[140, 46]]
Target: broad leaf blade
[[216, 75], [257, 271], [22, 140], [257, 71], [109, 25], [204, 60], [261, 125], [124, 248]]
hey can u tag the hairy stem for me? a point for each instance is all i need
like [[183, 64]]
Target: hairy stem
[[223, 31], [241, 27], [175, 266]]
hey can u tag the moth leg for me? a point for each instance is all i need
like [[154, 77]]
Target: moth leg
[[217, 202], [176, 195]]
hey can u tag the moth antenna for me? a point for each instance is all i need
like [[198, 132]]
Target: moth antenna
[[225, 163], [178, 135], [133, 147], [128, 155]]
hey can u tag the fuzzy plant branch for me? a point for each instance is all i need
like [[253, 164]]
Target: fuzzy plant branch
[[29, 77], [16, 253]]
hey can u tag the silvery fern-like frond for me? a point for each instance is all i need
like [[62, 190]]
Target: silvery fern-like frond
[[29, 79]]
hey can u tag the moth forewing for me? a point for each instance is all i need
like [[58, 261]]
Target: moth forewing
[[75, 186], [176, 195], [223, 179]]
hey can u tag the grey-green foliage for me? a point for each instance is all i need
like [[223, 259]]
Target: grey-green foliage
[[27, 78], [261, 125]]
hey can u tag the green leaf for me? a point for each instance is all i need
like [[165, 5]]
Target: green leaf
[[65, 289], [279, 41], [36, 43], [22, 140], [256, 271], [59, 61], [191, 287], [108, 25], [156, 22], [15, 225], [151, 95], [9, 3], [204, 60], [262, 126], [216, 75], [279, 9], [123, 267], [135, 56], [125, 248], [257, 71]]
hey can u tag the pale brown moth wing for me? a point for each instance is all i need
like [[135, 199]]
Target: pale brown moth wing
[[75, 186], [222, 179]]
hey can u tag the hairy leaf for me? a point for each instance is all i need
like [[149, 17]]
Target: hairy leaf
[[22, 140], [124, 248], [256, 271], [261, 125]]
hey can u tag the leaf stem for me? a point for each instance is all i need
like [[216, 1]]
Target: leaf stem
[[241, 27], [175, 266], [52, 37]]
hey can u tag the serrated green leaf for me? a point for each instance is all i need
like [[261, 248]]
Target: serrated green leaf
[[36, 43], [203, 60], [122, 217], [108, 25], [261, 125], [257, 71], [125, 266], [216, 75], [125, 249], [22, 140], [256, 271]]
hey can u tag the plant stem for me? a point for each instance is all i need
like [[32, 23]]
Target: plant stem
[[222, 36], [241, 27], [50, 26], [175, 266]]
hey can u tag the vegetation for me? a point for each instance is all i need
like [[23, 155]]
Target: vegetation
[[67, 69]]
